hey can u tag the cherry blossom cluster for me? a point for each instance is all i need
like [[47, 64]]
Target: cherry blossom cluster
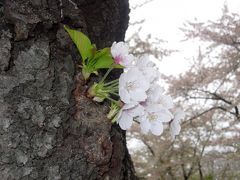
[[144, 100], [136, 95]]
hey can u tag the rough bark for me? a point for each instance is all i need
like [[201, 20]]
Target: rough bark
[[48, 128]]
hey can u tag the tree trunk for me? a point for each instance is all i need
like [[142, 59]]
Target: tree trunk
[[48, 128], [200, 170]]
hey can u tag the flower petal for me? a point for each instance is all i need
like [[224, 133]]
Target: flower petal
[[144, 61], [150, 73], [124, 95], [125, 121], [154, 93], [175, 128], [165, 115], [127, 60], [136, 111], [129, 106], [157, 128], [138, 95], [166, 101], [145, 126], [119, 48], [179, 114]]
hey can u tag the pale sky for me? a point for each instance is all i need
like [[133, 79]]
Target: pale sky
[[163, 18]]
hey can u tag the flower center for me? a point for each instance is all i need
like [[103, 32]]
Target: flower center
[[152, 117], [118, 59], [130, 86]]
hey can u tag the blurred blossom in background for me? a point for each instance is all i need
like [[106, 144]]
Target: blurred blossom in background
[[196, 45]]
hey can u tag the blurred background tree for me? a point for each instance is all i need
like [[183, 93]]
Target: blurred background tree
[[208, 146]]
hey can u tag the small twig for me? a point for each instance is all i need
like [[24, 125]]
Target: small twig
[[61, 8], [74, 4]]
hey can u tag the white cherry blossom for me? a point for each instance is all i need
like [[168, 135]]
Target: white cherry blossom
[[133, 86], [144, 61], [156, 96], [127, 113], [175, 126], [166, 101], [121, 55], [147, 67], [153, 119], [154, 92], [143, 98]]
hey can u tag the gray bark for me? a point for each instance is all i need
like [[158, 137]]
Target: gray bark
[[49, 129]]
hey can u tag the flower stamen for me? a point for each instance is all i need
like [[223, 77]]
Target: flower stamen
[[152, 117], [130, 86]]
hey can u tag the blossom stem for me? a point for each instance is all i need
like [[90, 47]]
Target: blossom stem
[[110, 86], [114, 119], [111, 82], [114, 86], [112, 100], [116, 94], [114, 83], [106, 74], [110, 90]]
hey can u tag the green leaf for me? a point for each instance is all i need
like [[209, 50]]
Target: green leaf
[[85, 73], [117, 66], [103, 52], [82, 42], [103, 59]]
